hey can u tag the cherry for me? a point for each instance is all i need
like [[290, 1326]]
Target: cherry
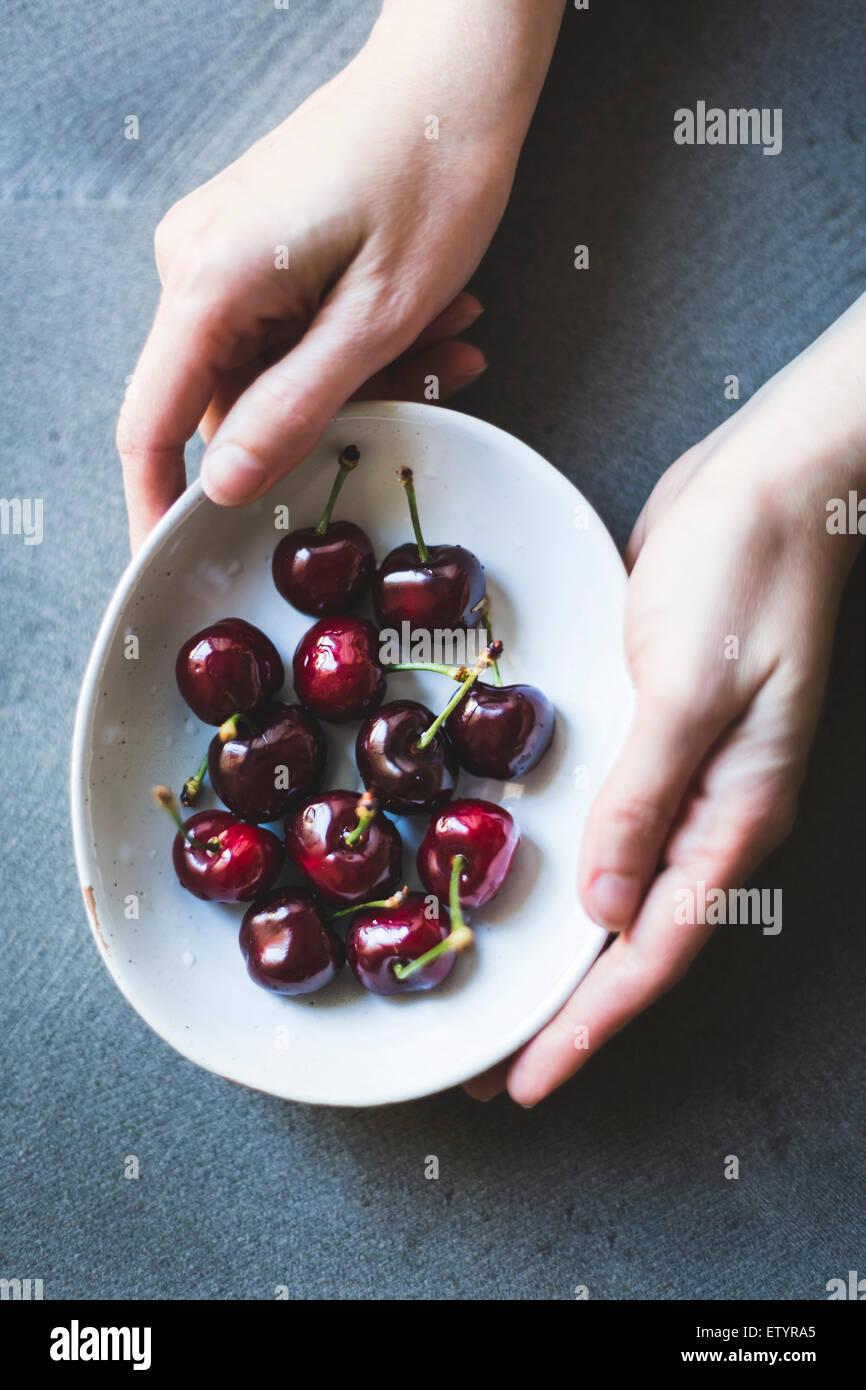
[[480, 834], [438, 586], [218, 857], [405, 755], [397, 947], [227, 667], [327, 568], [287, 945], [346, 851], [337, 672], [408, 779], [264, 763], [502, 731]]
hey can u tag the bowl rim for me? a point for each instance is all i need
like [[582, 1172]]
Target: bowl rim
[[85, 851]]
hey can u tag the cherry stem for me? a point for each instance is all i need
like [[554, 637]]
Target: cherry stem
[[460, 935], [488, 628], [229, 729], [439, 667], [365, 811], [192, 785], [487, 658], [166, 798], [395, 900], [408, 480], [347, 461]]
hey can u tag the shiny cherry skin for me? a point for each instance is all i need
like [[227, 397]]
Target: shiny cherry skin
[[248, 861], [343, 875], [382, 937], [485, 834], [444, 592], [404, 780], [502, 731], [324, 574], [287, 945], [337, 672], [228, 667], [246, 771]]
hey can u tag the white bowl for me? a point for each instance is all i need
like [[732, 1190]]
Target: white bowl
[[557, 589]]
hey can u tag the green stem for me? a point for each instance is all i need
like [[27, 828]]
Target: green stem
[[394, 901], [407, 479], [192, 785], [488, 628], [440, 668], [229, 729], [166, 798], [346, 462], [365, 811], [460, 935], [487, 658]]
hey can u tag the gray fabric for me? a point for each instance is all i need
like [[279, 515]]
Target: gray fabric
[[703, 262]]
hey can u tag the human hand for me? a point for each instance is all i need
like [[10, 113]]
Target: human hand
[[330, 258], [731, 604]]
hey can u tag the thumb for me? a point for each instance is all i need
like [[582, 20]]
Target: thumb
[[633, 813], [284, 412]]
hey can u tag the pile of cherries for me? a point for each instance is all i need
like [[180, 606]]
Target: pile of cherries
[[266, 762]]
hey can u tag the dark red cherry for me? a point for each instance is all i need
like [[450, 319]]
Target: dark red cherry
[[337, 672], [324, 574], [502, 731], [287, 945], [344, 849], [228, 667], [220, 858], [264, 763], [436, 586], [406, 779], [381, 940], [327, 568], [487, 838]]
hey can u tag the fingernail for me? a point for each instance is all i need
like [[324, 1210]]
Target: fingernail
[[614, 900], [231, 475], [525, 1107], [468, 377]]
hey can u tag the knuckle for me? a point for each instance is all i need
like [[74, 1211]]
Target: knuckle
[[639, 819]]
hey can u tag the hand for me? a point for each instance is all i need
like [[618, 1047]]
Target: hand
[[381, 227], [731, 605]]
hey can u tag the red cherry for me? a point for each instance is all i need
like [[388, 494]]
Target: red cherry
[[383, 939], [407, 779], [229, 666], [502, 731], [220, 858], [287, 945], [437, 586], [337, 672], [486, 837], [346, 851], [263, 764], [327, 568]]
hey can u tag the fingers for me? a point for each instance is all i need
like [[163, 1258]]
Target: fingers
[[170, 388], [455, 318], [640, 966], [284, 412], [490, 1082], [632, 816], [432, 374]]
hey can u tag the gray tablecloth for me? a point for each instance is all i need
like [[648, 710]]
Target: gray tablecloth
[[703, 262]]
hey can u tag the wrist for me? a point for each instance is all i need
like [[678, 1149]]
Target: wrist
[[478, 66]]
